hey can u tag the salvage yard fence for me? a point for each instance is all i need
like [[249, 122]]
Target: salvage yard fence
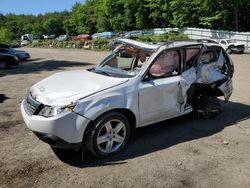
[[197, 33]]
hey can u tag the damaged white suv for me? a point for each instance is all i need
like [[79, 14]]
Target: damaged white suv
[[136, 85]]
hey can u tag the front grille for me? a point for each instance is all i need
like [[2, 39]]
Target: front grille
[[240, 46], [32, 106]]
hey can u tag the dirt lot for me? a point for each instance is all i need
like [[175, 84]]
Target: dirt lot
[[183, 152]]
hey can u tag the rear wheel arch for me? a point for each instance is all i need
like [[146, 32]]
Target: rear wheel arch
[[204, 100]]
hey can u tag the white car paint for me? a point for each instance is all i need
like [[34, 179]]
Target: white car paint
[[71, 86], [67, 125], [93, 94], [227, 43]]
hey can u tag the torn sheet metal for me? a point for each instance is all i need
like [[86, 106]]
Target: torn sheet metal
[[211, 72], [140, 45], [189, 75], [187, 78], [227, 89]]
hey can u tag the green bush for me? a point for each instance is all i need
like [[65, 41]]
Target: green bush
[[104, 44], [96, 44], [101, 44]]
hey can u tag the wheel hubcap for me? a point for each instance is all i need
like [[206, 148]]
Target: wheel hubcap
[[111, 136]]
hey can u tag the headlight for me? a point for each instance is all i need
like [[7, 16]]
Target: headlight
[[50, 111]]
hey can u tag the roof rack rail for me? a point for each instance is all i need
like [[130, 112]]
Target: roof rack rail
[[197, 40]]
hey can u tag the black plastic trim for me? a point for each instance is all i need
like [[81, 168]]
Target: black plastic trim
[[57, 142]]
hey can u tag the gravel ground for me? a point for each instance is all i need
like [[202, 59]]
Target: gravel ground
[[182, 152]]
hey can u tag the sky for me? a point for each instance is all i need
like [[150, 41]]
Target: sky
[[35, 7]]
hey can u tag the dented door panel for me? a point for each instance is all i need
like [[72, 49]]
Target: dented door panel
[[158, 99]]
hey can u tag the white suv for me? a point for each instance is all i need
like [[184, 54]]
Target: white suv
[[136, 85]]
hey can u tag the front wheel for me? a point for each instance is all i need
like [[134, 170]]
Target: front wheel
[[109, 134], [3, 65]]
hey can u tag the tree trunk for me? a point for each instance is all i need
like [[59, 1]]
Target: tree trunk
[[236, 19]]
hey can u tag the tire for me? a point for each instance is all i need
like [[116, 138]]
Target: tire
[[3, 65], [207, 107], [229, 51], [108, 135]]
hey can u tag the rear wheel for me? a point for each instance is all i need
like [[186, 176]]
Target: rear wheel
[[207, 107], [109, 134]]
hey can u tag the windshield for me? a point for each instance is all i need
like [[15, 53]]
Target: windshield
[[124, 62]]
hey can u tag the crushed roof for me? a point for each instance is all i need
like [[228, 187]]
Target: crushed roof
[[155, 47], [140, 45]]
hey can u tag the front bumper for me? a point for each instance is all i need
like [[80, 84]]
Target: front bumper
[[57, 142], [236, 49], [63, 131], [24, 56]]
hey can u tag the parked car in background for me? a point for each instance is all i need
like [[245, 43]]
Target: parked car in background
[[136, 33], [96, 35], [28, 37], [24, 43], [122, 34], [231, 46], [133, 33], [49, 36], [107, 34], [174, 32], [98, 108], [103, 35], [208, 40], [63, 38], [20, 54], [8, 60], [82, 37]]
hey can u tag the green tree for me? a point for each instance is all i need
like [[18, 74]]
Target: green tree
[[160, 12], [82, 18], [5, 36]]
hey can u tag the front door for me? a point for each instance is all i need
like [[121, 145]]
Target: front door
[[158, 99], [159, 93]]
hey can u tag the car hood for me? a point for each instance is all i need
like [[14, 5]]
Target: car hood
[[63, 88], [6, 55], [20, 52]]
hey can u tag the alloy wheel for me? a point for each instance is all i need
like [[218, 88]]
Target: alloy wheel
[[111, 136]]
